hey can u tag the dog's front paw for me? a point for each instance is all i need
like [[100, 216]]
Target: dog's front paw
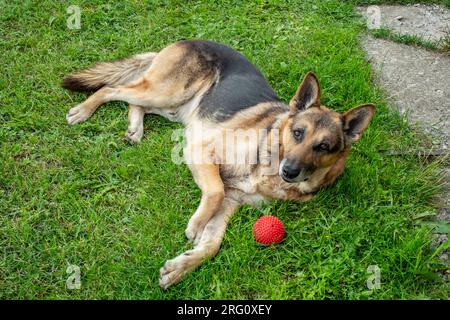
[[174, 270], [194, 232], [134, 134], [77, 114]]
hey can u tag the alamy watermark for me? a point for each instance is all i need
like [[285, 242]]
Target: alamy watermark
[[74, 280], [373, 17], [228, 147], [74, 20], [374, 280]]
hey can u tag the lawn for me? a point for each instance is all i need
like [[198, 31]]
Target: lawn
[[83, 196]]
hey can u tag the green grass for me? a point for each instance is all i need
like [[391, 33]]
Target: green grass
[[81, 195], [385, 33]]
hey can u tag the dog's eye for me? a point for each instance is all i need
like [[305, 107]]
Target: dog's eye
[[324, 146], [298, 133]]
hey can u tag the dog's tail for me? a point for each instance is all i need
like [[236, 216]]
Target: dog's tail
[[112, 73]]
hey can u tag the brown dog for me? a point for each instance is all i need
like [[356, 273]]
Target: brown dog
[[243, 145]]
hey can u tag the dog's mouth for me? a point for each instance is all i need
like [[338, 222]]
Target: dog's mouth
[[303, 175]]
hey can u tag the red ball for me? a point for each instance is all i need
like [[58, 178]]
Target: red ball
[[268, 230]]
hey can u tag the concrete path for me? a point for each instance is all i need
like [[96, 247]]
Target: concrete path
[[429, 22], [416, 80]]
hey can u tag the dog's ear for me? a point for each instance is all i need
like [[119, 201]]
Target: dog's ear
[[307, 95], [356, 121]]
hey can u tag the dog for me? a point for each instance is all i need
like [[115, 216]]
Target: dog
[[289, 151]]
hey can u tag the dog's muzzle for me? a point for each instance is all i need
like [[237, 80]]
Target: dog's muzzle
[[294, 173]]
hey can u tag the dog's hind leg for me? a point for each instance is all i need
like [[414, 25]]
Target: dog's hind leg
[[174, 270], [148, 92], [105, 74], [171, 78], [135, 123], [133, 93]]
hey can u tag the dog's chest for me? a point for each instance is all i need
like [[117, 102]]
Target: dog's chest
[[244, 190], [253, 189]]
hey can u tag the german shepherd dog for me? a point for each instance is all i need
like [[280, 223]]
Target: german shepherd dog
[[214, 90]]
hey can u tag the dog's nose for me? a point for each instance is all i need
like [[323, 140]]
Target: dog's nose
[[289, 172]]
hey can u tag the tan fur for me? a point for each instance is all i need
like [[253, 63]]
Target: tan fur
[[110, 73], [172, 85]]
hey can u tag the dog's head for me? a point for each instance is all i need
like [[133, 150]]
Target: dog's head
[[316, 137]]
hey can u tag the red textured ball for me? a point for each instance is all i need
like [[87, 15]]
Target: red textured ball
[[268, 230]]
